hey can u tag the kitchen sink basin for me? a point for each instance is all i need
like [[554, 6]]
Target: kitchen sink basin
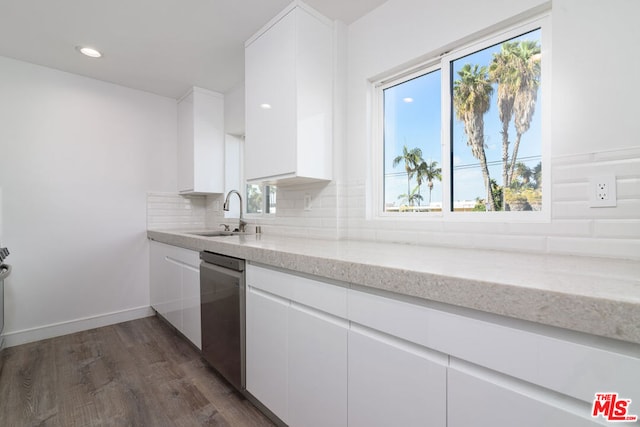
[[216, 233], [213, 233]]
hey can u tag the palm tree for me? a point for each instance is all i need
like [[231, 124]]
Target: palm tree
[[524, 172], [497, 194], [412, 197], [412, 159], [471, 96], [503, 72], [526, 60], [516, 70], [537, 175], [429, 171]]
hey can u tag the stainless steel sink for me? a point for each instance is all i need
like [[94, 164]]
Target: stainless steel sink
[[212, 233], [216, 233]]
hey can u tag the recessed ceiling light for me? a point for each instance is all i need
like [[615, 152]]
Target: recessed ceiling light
[[265, 106], [89, 51], [407, 100]]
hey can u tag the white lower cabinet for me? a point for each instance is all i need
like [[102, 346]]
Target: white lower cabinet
[[165, 283], [317, 374], [297, 347], [319, 354], [482, 402], [175, 287], [191, 319], [266, 349], [393, 383]]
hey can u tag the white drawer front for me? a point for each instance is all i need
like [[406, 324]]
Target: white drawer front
[[328, 298], [562, 365]]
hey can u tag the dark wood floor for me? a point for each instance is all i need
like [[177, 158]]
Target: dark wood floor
[[138, 373]]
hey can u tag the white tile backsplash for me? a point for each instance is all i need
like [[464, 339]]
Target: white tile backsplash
[[339, 210], [167, 211], [574, 227], [291, 219]]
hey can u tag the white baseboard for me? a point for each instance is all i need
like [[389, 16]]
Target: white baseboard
[[77, 325]]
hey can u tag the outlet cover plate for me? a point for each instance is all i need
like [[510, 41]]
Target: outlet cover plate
[[602, 191]]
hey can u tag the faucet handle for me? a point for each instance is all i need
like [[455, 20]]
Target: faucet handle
[[226, 227]]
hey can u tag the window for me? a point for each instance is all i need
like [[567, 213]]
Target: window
[[464, 132], [412, 152], [261, 199]]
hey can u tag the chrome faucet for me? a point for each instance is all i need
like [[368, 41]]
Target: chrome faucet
[[242, 224]]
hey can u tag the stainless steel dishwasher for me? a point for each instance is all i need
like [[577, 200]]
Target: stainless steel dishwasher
[[222, 311]]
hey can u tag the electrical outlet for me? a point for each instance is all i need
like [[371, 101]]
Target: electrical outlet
[[307, 202], [602, 191]]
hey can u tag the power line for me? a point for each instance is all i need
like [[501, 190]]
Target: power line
[[474, 165]]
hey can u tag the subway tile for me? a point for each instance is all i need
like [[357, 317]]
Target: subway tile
[[572, 159], [623, 229], [573, 191], [447, 239], [628, 188], [520, 243], [571, 227], [621, 154], [625, 209], [599, 247], [474, 227], [582, 172]]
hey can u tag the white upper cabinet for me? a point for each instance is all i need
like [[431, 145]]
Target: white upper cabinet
[[289, 98], [201, 142]]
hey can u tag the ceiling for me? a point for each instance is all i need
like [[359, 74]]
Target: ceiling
[[159, 46]]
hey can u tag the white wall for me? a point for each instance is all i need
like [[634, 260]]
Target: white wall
[[77, 157], [596, 110], [593, 131]]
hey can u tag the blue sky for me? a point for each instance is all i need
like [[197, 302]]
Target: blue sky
[[417, 124], [414, 124]]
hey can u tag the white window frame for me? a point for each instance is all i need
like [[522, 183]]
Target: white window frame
[[378, 152], [443, 62]]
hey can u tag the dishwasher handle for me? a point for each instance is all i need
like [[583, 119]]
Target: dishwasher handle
[[211, 270], [225, 261]]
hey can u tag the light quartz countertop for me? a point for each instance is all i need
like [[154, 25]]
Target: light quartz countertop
[[593, 295]]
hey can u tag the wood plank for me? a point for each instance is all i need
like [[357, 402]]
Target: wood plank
[[134, 373], [27, 385]]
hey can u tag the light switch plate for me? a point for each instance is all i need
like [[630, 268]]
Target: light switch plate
[[602, 191]]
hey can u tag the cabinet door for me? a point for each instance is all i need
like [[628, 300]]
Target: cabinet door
[[165, 283], [201, 142], [317, 368], [266, 350], [392, 383], [156, 264], [270, 78], [473, 401], [191, 305], [185, 153]]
